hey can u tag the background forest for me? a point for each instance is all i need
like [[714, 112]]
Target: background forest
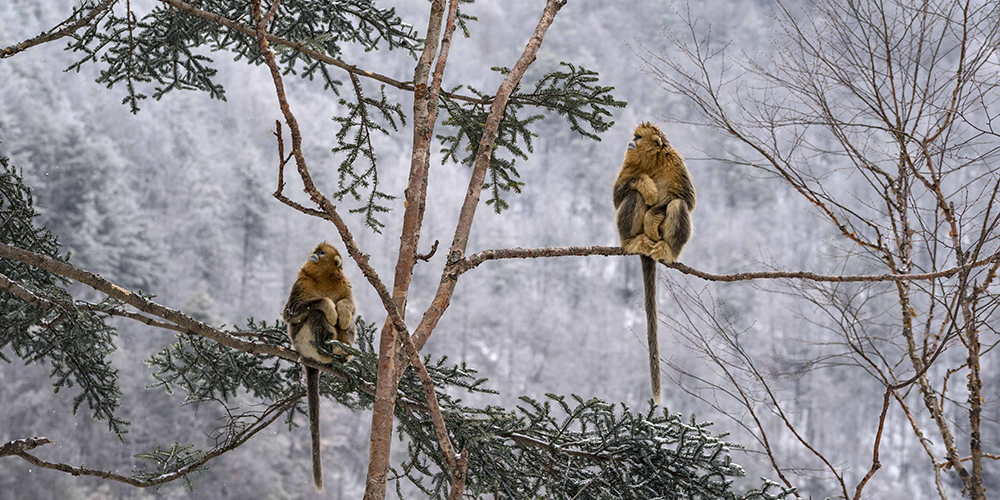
[[176, 201]]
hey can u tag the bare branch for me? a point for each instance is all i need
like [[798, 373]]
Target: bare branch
[[63, 29], [427, 256], [237, 435], [462, 266], [484, 153]]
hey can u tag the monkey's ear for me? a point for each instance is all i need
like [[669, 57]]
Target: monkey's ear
[[658, 141], [337, 261]]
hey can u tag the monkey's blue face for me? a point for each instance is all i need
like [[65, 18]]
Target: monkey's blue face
[[325, 254], [631, 144], [316, 255]]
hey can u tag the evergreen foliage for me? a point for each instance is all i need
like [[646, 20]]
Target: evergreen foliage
[[557, 448], [163, 49], [573, 94], [44, 325], [352, 177]]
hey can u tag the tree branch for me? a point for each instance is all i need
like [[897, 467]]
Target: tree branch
[[485, 152], [69, 27], [233, 440], [463, 265]]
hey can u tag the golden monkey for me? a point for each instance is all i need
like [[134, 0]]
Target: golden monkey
[[320, 308], [654, 197]]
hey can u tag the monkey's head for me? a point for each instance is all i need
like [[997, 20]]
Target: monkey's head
[[324, 261], [648, 145]]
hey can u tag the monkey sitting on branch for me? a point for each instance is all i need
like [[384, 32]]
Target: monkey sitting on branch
[[320, 308], [653, 197]]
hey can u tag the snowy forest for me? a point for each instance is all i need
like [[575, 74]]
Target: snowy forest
[[829, 331]]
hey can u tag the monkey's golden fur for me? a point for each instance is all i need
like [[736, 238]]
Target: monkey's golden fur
[[660, 225], [320, 308], [653, 199]]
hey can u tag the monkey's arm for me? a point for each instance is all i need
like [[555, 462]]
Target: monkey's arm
[[647, 188], [345, 312]]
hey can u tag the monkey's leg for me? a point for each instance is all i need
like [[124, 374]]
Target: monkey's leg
[[313, 333], [312, 400], [630, 219], [651, 224], [676, 228], [652, 325], [348, 336]]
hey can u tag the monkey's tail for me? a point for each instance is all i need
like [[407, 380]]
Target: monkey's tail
[[312, 399], [652, 324]]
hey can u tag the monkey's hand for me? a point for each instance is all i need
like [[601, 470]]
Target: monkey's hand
[[651, 224], [647, 188], [329, 309], [345, 313]]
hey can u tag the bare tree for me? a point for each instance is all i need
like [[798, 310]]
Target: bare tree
[[881, 116]]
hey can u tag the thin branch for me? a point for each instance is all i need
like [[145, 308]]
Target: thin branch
[[63, 29], [234, 440], [24, 294], [427, 256], [484, 153], [329, 211], [463, 265]]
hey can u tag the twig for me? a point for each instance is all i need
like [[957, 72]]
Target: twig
[[427, 256], [55, 34], [947, 464], [876, 464], [235, 440]]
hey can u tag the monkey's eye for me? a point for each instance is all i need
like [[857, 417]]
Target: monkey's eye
[[321, 253], [637, 137]]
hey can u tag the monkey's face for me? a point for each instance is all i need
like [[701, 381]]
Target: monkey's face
[[324, 260], [647, 141]]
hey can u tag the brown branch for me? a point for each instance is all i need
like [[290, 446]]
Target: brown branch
[[304, 49], [329, 211], [19, 446], [463, 265], [145, 305], [876, 464], [522, 441], [134, 316], [458, 476], [483, 156], [69, 27], [427, 256], [447, 449], [24, 294], [234, 440], [390, 360], [947, 465]]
